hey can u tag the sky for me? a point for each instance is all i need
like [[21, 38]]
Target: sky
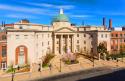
[[43, 11]]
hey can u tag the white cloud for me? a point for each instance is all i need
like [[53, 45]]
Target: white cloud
[[25, 9], [52, 5], [80, 16], [20, 16]]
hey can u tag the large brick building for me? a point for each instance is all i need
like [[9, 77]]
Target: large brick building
[[117, 40], [3, 48]]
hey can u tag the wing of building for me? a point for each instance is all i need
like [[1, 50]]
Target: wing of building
[[27, 42]]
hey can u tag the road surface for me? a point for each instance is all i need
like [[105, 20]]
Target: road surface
[[98, 74]]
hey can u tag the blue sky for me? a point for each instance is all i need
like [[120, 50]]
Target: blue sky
[[42, 11]]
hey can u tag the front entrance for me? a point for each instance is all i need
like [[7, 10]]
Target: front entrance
[[21, 55], [63, 42], [3, 65]]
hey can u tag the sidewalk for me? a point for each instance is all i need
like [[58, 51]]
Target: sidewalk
[[83, 64]]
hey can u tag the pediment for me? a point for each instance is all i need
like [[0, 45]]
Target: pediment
[[65, 29]]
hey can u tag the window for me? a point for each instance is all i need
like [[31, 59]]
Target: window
[[25, 36], [116, 41], [42, 35], [116, 47], [84, 48], [84, 29], [37, 36], [57, 48], [105, 35], [84, 35], [121, 46], [21, 51], [112, 47], [57, 42], [77, 41], [116, 35], [91, 36], [42, 43], [3, 65], [84, 42], [77, 35], [48, 35], [120, 35], [3, 51], [3, 37], [121, 40], [77, 47], [102, 35], [112, 35], [48, 42], [20, 27], [17, 36]]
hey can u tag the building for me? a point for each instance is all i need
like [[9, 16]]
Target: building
[[117, 40], [3, 48], [28, 42]]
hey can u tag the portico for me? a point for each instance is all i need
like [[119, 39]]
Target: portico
[[62, 42]]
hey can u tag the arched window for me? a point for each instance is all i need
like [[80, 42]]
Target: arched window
[[21, 55]]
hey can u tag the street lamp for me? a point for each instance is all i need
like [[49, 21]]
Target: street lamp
[[60, 65], [122, 57], [117, 62], [92, 57], [13, 72], [93, 61]]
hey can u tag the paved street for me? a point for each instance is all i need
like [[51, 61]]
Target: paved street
[[115, 76], [82, 75], [84, 64]]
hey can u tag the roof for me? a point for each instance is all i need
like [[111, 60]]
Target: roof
[[60, 17]]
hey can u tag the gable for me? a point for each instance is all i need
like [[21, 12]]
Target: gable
[[65, 29]]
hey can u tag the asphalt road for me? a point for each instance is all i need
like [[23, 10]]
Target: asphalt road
[[115, 76], [98, 74]]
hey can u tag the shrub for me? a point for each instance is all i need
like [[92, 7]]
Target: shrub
[[70, 59], [47, 59], [10, 69]]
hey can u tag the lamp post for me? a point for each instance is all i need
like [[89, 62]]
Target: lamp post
[[60, 66], [92, 57], [13, 72], [117, 62], [122, 57], [93, 61]]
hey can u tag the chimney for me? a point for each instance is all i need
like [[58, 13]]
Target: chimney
[[104, 22], [110, 24], [4, 24]]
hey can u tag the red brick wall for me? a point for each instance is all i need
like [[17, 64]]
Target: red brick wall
[[2, 43], [116, 41]]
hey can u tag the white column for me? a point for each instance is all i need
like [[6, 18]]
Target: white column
[[72, 43], [61, 44], [55, 44], [67, 41]]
